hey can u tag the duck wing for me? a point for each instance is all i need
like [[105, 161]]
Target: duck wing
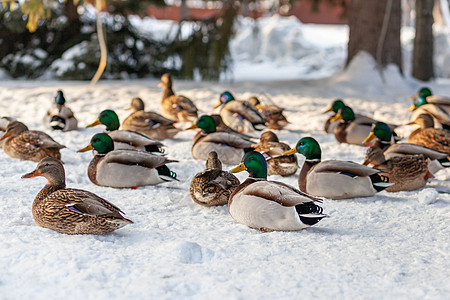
[[340, 166], [136, 157], [133, 138], [412, 149], [246, 110], [230, 139], [40, 139]]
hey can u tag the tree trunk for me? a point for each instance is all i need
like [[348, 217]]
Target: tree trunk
[[423, 42], [184, 10], [367, 33]]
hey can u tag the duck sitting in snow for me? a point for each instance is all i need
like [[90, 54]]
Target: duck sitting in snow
[[272, 113], [427, 136], [335, 179], [337, 104], [177, 108], [230, 147], [240, 115], [270, 205], [148, 123], [59, 116], [385, 142], [437, 106], [126, 139], [273, 150], [71, 211], [125, 168], [348, 130], [213, 186], [19, 142]]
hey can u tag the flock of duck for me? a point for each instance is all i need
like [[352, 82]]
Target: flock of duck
[[135, 156]]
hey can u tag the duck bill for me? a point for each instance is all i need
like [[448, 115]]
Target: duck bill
[[96, 122], [160, 84], [4, 137], [366, 162], [336, 117], [412, 107], [87, 148], [32, 174], [218, 104], [289, 152], [411, 123], [327, 110], [369, 138], [194, 126], [239, 168]]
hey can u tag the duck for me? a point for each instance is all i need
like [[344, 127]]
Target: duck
[[385, 142], [273, 113], [273, 150], [177, 108], [348, 130], [230, 147], [4, 121], [68, 210], [437, 106], [270, 205], [240, 115], [22, 143], [148, 123], [125, 168], [59, 116], [337, 104], [126, 139], [335, 179], [428, 136], [213, 186], [407, 172]]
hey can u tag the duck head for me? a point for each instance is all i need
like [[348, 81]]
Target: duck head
[[166, 81], [13, 129], [225, 97], [344, 113], [308, 147], [137, 104], [418, 101], [254, 163], [101, 142], [335, 106], [381, 131], [206, 123], [59, 99], [50, 168], [108, 118]]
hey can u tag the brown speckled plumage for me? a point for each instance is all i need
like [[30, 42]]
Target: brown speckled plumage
[[272, 113], [213, 186], [149, 123], [273, 150], [29, 145], [176, 107], [428, 136], [71, 211], [408, 172]]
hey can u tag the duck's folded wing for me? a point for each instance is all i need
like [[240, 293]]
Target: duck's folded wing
[[41, 139], [278, 192], [438, 100], [136, 157], [246, 110], [341, 166], [144, 118], [185, 104], [133, 138], [233, 140], [412, 149]]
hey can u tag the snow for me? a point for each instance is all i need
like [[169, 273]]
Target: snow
[[389, 246]]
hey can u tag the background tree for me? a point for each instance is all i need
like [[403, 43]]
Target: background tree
[[422, 67]]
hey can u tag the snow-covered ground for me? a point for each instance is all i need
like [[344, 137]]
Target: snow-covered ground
[[390, 246]]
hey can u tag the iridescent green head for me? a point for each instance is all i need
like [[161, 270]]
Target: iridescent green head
[[206, 123], [309, 148], [59, 99], [425, 92], [101, 142], [254, 163], [419, 101], [337, 104], [382, 131], [346, 113], [108, 118], [226, 97]]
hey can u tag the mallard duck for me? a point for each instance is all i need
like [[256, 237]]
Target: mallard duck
[[335, 179], [71, 211], [240, 115], [428, 136], [4, 121], [126, 139], [148, 123], [125, 168], [59, 116], [176, 107], [272, 113], [359, 118], [230, 147], [407, 172], [213, 186], [270, 205], [277, 163], [437, 106], [19, 142], [348, 131]]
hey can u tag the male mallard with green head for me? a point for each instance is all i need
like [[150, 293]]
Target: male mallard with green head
[[59, 116], [437, 106]]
